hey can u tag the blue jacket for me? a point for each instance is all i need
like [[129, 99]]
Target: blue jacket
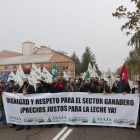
[[125, 88]]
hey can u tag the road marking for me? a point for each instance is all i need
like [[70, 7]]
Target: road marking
[[66, 134], [60, 133]]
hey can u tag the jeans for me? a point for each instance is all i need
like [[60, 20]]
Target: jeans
[[3, 115]]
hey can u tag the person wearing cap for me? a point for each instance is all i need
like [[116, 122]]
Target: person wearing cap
[[41, 88]]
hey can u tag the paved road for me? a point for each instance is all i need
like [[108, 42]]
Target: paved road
[[70, 133]]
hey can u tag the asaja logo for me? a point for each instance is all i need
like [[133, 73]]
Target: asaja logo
[[11, 76], [78, 120], [125, 122], [15, 119], [102, 120], [57, 119], [37, 72], [94, 121], [44, 72]]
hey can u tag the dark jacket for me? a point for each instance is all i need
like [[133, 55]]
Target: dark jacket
[[85, 88], [64, 83], [78, 85], [125, 87], [52, 88], [29, 89], [14, 89], [133, 91], [42, 89], [75, 89], [1, 101]]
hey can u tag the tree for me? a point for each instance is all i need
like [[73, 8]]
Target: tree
[[75, 58], [131, 64], [132, 24], [133, 18], [87, 57]]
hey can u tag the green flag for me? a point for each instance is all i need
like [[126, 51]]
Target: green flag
[[87, 77], [54, 70], [56, 74]]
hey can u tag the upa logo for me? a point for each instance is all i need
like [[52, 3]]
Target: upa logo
[[15, 119], [125, 122], [102, 120], [78, 120], [28, 120], [35, 120]]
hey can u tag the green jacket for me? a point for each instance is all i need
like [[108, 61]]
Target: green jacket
[[75, 89], [98, 87]]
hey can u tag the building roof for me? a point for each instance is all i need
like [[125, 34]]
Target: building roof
[[14, 53], [6, 53], [45, 47], [28, 42], [29, 59], [60, 59]]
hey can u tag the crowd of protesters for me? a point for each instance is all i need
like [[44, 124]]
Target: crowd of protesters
[[60, 84]]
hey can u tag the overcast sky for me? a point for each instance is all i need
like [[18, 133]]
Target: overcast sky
[[68, 25]]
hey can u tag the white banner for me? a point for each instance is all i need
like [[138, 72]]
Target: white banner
[[72, 108]]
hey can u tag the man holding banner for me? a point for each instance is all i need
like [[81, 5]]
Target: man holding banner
[[72, 87], [12, 88], [102, 87], [2, 89], [86, 87], [54, 87], [121, 86], [136, 90], [25, 89]]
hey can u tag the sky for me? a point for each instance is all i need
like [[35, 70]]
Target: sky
[[67, 25]]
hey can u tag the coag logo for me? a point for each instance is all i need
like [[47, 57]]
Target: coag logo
[[78, 119], [28, 120], [125, 122]]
